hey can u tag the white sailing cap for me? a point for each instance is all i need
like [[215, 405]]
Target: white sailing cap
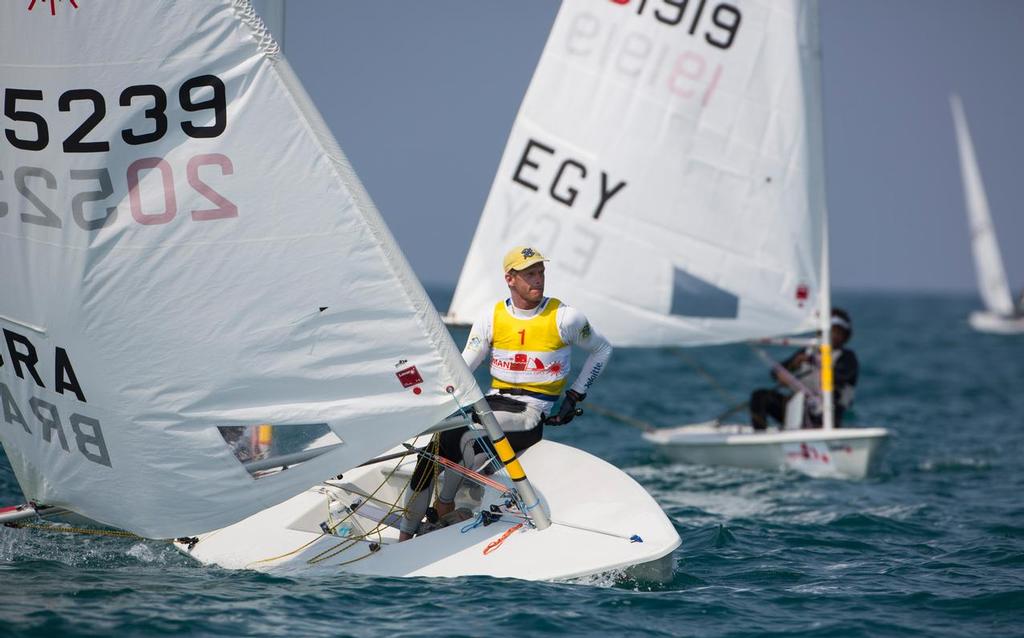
[[842, 323]]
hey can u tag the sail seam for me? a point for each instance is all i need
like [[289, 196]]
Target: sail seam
[[245, 12]]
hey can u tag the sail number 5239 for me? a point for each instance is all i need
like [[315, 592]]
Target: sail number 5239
[[29, 130]]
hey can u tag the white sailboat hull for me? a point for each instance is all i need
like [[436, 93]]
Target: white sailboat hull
[[846, 453], [595, 509], [995, 323]]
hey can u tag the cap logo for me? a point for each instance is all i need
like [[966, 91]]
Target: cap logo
[[527, 253]]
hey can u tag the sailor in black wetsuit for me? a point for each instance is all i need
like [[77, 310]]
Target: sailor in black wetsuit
[[805, 366]]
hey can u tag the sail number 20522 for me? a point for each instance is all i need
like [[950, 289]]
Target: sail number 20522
[[28, 130], [94, 186]]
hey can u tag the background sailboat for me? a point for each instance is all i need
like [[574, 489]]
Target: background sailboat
[[669, 159], [204, 314], [1001, 314]]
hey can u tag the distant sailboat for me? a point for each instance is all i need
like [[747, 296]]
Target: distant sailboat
[[205, 320], [668, 157], [1001, 314]]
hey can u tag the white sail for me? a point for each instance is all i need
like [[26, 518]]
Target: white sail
[[988, 262], [668, 158], [184, 248]]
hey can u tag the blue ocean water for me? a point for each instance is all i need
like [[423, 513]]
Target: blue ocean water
[[932, 546]]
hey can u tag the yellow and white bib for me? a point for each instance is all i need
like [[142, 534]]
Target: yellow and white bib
[[529, 354]]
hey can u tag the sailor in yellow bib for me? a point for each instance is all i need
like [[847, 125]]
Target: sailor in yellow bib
[[528, 354], [528, 338]]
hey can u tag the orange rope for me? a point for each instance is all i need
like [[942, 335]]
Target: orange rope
[[493, 545], [476, 476]]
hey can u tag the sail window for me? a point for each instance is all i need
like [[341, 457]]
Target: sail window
[[694, 297], [265, 449]]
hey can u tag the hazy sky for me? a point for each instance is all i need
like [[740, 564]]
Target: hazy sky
[[422, 95]]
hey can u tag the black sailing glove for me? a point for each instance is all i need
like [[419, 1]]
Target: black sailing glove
[[568, 411]]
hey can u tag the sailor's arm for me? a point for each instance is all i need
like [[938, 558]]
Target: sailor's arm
[[574, 329], [794, 361], [481, 337]]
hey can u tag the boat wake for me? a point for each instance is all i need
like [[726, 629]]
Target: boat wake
[[73, 550], [961, 464]]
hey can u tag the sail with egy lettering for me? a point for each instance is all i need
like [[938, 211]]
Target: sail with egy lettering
[[668, 158]]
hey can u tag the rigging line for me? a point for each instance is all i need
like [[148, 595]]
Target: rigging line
[[628, 420], [392, 506], [788, 378], [343, 546], [351, 541], [354, 489], [440, 461], [297, 549], [488, 449], [332, 525], [346, 544], [386, 457], [78, 530], [124, 534], [436, 473], [286, 554], [474, 475], [581, 528], [584, 528], [491, 452], [366, 555], [372, 495], [710, 378], [732, 410], [468, 473]]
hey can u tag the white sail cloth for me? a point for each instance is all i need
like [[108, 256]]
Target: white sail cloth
[[988, 262], [668, 158], [184, 247]]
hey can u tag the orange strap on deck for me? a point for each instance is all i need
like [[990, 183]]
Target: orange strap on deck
[[493, 545]]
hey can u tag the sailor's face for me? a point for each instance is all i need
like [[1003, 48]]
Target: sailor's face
[[527, 284], [838, 337]]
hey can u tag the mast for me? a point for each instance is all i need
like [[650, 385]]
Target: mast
[[531, 503], [825, 325], [814, 99]]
